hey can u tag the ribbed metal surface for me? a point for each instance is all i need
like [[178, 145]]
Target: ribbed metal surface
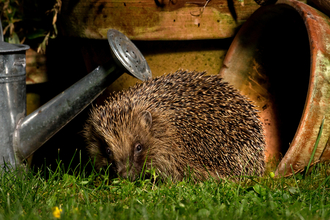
[[12, 102], [128, 55]]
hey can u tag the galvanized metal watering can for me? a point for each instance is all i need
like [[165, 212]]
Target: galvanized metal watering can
[[21, 135]]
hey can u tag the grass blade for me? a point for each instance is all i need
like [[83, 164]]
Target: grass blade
[[295, 179], [315, 146]]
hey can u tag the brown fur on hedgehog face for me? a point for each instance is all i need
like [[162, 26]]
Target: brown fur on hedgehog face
[[129, 140]]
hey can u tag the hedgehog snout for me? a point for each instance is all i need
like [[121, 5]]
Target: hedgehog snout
[[122, 172], [127, 171]]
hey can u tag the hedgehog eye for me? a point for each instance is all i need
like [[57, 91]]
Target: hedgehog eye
[[108, 151], [138, 148]]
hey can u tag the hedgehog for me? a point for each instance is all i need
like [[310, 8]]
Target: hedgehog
[[185, 123]]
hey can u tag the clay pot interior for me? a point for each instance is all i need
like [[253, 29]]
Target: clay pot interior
[[269, 62]]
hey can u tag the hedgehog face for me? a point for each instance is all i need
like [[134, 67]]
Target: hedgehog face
[[128, 148], [123, 143], [130, 165]]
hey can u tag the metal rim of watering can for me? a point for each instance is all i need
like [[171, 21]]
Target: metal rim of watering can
[[11, 48], [128, 55]]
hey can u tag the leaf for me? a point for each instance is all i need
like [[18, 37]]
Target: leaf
[[293, 190], [285, 196], [203, 213], [259, 189], [68, 178], [14, 39], [115, 182], [37, 34]]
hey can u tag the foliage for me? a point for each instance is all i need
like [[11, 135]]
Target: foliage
[[59, 194], [33, 20]]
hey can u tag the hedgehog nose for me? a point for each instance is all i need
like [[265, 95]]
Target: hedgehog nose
[[126, 173], [122, 172]]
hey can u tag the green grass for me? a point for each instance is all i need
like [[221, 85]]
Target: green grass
[[27, 195]]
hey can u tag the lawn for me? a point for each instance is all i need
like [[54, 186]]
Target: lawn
[[78, 195]]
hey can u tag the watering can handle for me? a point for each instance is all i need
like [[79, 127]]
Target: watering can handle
[[1, 30]]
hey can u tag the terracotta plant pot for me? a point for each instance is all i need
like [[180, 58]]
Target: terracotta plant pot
[[280, 59]]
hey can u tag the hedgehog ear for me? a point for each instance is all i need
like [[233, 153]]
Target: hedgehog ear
[[146, 119]]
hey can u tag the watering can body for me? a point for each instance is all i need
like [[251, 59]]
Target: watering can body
[[12, 97]]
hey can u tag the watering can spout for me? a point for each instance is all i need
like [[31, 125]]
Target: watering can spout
[[27, 134], [35, 129]]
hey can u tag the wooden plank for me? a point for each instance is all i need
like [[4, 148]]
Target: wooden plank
[[154, 19]]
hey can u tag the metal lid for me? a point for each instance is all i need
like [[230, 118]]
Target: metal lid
[[128, 55], [7, 47]]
